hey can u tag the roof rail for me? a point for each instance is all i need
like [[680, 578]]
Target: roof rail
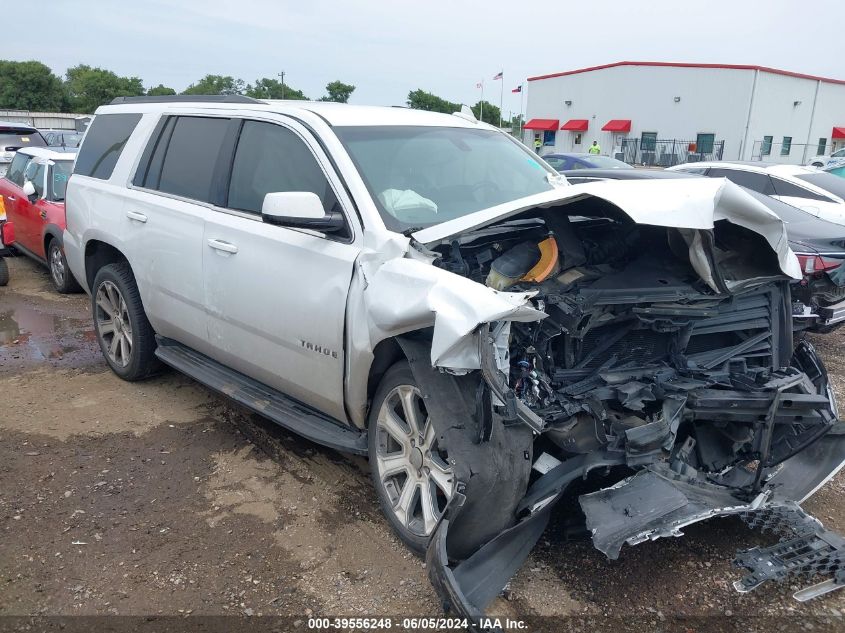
[[187, 99]]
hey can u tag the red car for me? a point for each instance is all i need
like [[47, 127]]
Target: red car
[[33, 192]]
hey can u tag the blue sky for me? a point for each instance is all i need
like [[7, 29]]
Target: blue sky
[[389, 48]]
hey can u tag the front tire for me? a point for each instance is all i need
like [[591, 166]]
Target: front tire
[[412, 475], [60, 274], [124, 333]]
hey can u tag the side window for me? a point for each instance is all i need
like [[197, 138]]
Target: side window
[[752, 180], [16, 169], [784, 188], [38, 179], [553, 161], [104, 142], [271, 158], [31, 173], [189, 158]]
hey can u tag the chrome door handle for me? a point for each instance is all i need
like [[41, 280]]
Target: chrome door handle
[[11, 198], [220, 245], [138, 217]]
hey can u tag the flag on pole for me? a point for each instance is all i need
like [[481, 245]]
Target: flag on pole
[[479, 85], [499, 75], [517, 89]]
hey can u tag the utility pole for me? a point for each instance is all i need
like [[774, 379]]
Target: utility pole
[[282, 75]]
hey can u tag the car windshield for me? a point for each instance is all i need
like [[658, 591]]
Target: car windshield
[[606, 162], [828, 182], [62, 170], [422, 176], [20, 138]]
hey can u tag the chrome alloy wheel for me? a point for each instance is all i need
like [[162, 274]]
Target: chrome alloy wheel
[[414, 471], [57, 266], [113, 325]]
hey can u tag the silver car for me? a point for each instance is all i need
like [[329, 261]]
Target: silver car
[[422, 289]]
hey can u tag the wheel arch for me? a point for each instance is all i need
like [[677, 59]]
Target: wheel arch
[[51, 232], [98, 254]]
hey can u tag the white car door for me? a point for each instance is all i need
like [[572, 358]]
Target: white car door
[[276, 296], [166, 214]]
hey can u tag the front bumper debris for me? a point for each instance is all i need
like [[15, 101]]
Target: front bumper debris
[[805, 549]]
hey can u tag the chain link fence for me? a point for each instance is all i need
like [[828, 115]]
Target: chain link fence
[[668, 152]]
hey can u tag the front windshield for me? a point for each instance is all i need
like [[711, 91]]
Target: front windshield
[[422, 176], [828, 182], [58, 181]]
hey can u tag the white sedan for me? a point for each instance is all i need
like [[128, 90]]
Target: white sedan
[[836, 159]]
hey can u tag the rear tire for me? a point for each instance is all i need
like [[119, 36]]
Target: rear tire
[[124, 333], [4, 271], [63, 280]]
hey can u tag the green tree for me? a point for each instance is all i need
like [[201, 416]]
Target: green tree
[[339, 92], [30, 86], [89, 88], [160, 91], [422, 100], [216, 85], [267, 88], [489, 115]]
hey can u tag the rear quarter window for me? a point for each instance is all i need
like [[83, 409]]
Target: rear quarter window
[[104, 142]]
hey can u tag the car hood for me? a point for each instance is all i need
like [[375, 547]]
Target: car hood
[[684, 204]]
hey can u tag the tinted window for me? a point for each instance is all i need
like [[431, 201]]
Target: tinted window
[[20, 138], [38, 179], [191, 155], [104, 141], [828, 182], [271, 158], [16, 169], [750, 179]]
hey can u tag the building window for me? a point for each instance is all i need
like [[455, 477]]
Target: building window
[[787, 145], [704, 143], [822, 146], [578, 138], [648, 141], [549, 137], [766, 148]]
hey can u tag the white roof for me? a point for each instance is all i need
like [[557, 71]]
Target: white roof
[[756, 166], [17, 124], [339, 114], [50, 153]]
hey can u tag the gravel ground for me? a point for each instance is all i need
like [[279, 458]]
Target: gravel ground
[[162, 498]]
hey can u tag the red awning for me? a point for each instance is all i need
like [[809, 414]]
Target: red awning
[[617, 125], [838, 132], [542, 124], [576, 125]]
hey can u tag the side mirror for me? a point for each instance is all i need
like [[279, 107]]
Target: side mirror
[[29, 190], [299, 209]]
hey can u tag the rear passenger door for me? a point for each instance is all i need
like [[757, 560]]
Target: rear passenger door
[[175, 186], [276, 296]]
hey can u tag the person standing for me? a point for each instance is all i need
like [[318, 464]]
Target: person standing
[[537, 144], [595, 148]]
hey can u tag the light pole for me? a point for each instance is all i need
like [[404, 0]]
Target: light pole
[[282, 75]]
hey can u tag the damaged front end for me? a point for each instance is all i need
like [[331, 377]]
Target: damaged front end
[[665, 363]]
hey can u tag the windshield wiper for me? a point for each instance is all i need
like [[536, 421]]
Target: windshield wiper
[[413, 229]]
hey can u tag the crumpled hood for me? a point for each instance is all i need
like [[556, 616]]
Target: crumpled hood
[[695, 203]]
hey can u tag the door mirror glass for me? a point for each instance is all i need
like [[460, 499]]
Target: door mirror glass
[[299, 209], [29, 189]]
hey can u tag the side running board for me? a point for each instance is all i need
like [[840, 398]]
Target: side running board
[[266, 401]]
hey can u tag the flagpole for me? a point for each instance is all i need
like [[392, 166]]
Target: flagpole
[[501, 97], [521, 111], [481, 103]]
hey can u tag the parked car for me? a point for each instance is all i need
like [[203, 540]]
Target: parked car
[[565, 162], [818, 299], [33, 191], [422, 289], [13, 136], [820, 193], [836, 159], [62, 138]]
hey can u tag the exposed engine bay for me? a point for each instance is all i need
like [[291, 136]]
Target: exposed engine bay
[[665, 352]]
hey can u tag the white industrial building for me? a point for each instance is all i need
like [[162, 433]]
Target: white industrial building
[[665, 113]]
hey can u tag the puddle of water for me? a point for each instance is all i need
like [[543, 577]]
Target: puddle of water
[[29, 334]]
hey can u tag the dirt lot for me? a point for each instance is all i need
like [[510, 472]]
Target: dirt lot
[[163, 498]]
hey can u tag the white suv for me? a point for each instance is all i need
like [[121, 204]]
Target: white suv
[[423, 289]]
